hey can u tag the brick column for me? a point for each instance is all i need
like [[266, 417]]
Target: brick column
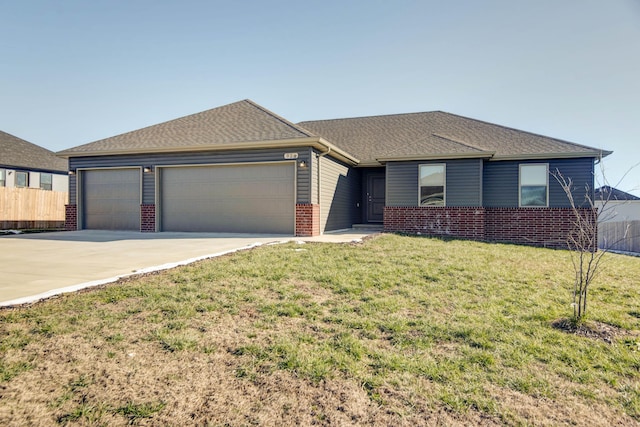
[[148, 218], [70, 217], [307, 219]]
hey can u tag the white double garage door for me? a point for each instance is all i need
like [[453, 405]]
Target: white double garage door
[[239, 198]]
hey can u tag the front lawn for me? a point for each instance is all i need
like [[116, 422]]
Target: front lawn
[[393, 331]]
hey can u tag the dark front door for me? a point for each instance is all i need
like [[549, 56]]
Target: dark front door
[[375, 197]]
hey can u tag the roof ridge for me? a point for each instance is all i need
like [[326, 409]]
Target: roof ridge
[[603, 152], [148, 126], [200, 113], [466, 144], [277, 117], [28, 155], [372, 116], [29, 142], [425, 140]]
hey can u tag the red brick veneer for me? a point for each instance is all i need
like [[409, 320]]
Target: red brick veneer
[[439, 221], [307, 219], [70, 217], [531, 226], [148, 218]]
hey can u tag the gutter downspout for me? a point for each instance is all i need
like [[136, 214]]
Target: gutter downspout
[[320, 187]]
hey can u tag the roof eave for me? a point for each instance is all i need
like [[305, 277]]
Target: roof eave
[[442, 156], [369, 163], [34, 169], [314, 142], [542, 156], [334, 151]]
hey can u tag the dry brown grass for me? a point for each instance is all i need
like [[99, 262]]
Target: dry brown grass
[[198, 388], [276, 336]]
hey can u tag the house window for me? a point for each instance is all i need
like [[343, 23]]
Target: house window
[[22, 179], [534, 185], [432, 184], [3, 178], [46, 181]]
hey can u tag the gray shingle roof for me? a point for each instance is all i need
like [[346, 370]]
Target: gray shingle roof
[[240, 122], [21, 154], [437, 133], [369, 139]]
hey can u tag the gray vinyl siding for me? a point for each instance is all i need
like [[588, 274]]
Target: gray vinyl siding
[[501, 180], [500, 184], [303, 175], [148, 188], [303, 181], [313, 169], [402, 184], [463, 182], [339, 189], [72, 189]]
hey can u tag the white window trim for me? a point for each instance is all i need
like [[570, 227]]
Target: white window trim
[[444, 184], [16, 179], [546, 165], [50, 183]]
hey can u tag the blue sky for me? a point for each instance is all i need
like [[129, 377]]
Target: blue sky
[[76, 71]]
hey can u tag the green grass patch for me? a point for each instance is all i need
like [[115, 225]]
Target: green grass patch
[[137, 411]]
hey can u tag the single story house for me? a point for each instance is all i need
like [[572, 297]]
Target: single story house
[[33, 185], [242, 168]]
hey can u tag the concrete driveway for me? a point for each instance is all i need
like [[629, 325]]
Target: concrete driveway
[[36, 266]]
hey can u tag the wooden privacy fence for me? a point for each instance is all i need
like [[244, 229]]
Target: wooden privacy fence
[[30, 208], [611, 235]]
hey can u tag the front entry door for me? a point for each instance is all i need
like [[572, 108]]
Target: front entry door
[[375, 197]]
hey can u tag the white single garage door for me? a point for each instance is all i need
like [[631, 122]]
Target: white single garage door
[[111, 199], [251, 198]]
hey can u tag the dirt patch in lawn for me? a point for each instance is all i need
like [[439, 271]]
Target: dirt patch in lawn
[[591, 329]]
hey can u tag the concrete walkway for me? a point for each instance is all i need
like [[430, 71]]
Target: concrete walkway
[[37, 266]]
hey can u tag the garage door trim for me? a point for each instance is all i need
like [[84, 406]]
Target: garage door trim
[[80, 188], [158, 188]]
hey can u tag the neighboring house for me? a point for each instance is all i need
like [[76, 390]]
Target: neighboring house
[[616, 205], [26, 165], [34, 184], [618, 219], [242, 168]]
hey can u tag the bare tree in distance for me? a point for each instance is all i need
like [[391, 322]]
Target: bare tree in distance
[[582, 239]]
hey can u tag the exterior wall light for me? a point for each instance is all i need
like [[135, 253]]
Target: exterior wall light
[[72, 172], [147, 169], [302, 164]]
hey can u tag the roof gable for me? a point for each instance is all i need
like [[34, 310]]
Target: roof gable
[[18, 153], [239, 122]]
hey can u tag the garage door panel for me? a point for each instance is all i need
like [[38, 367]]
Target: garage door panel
[[238, 198], [111, 199]]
